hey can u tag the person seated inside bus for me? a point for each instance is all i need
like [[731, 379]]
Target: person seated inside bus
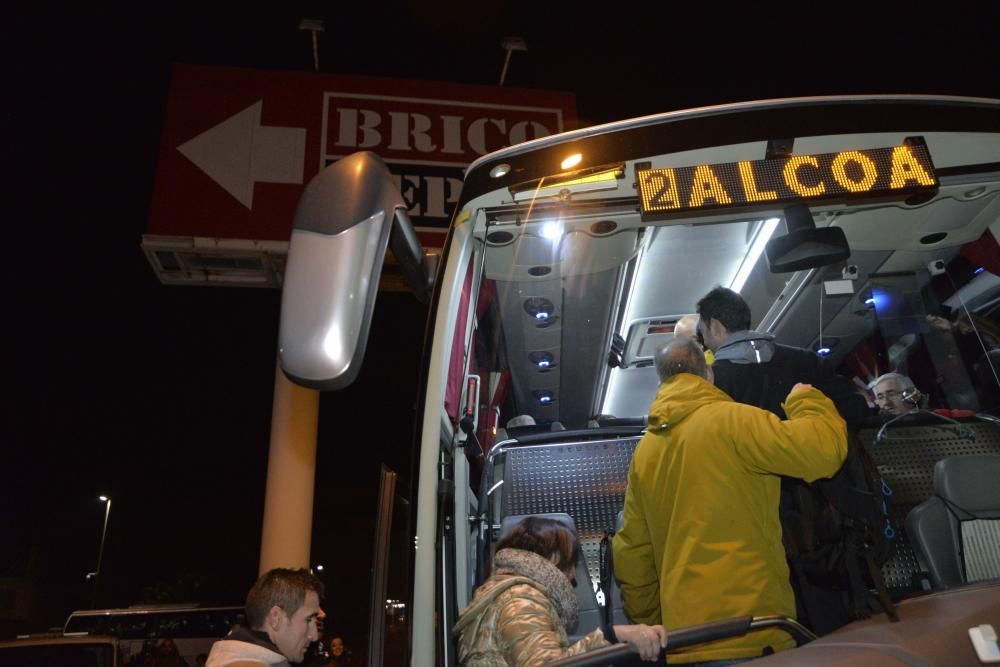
[[522, 614], [895, 394], [526, 425]]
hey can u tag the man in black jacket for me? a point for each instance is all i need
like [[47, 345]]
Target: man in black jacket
[[753, 369]]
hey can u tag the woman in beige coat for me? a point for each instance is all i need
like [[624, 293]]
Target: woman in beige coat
[[520, 615]]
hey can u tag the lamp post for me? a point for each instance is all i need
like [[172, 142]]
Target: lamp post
[[100, 553]]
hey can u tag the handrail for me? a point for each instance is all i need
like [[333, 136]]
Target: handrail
[[961, 429], [684, 637]]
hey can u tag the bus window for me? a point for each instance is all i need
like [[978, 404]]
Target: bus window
[[191, 630]]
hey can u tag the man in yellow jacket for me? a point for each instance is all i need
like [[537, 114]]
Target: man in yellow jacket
[[701, 539]]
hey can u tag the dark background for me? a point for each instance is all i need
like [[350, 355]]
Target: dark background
[[161, 396]]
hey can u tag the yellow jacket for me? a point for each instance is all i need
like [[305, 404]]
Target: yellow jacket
[[701, 539]]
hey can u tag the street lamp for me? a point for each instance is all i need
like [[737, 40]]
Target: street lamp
[[96, 575]]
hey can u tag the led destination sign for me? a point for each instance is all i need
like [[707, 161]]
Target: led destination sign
[[877, 173]]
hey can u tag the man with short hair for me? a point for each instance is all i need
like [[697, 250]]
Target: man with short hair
[[700, 539], [890, 389], [282, 609], [753, 369]]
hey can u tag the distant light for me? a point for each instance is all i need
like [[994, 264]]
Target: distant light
[[500, 171], [978, 271], [552, 231], [319, 568], [103, 499], [545, 399], [544, 363], [870, 301], [823, 351], [572, 161], [541, 315]]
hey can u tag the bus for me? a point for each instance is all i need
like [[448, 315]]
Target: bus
[[863, 228], [52, 650], [149, 631]]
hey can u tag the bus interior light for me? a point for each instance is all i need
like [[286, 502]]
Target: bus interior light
[[756, 249], [581, 180], [552, 230], [571, 161]]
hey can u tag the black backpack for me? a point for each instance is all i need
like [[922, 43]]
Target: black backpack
[[836, 531], [837, 534]]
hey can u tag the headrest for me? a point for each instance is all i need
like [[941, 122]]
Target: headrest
[[510, 521], [970, 482]]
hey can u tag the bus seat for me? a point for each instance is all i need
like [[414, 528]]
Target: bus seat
[[956, 532], [590, 613], [906, 462]]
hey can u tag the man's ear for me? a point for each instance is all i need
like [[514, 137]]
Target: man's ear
[[718, 329], [275, 616]]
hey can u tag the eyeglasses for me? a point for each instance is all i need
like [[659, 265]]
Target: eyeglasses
[[892, 393]]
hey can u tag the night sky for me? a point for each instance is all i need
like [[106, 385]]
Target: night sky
[[161, 396]]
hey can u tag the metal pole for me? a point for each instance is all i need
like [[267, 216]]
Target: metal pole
[[100, 553], [506, 62]]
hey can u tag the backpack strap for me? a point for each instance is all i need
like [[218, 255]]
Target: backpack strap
[[607, 575]]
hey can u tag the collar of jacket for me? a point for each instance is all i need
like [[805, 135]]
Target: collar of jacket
[[680, 396], [241, 633], [747, 347]]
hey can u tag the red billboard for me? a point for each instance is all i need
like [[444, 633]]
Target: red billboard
[[239, 145]]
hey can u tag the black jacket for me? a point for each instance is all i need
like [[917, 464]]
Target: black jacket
[[755, 370]]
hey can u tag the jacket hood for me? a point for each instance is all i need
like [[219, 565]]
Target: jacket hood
[[680, 396], [747, 347], [491, 589]]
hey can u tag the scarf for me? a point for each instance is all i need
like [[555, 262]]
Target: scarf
[[544, 571]]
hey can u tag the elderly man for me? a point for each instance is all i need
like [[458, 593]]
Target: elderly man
[[895, 394], [687, 327], [701, 539], [282, 610]]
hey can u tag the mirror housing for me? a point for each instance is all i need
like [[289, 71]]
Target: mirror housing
[[342, 226], [805, 246]]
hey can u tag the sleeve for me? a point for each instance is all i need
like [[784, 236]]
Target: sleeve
[[810, 444], [529, 636], [635, 566], [852, 407]]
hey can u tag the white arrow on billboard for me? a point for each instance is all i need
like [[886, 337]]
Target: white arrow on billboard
[[239, 152]]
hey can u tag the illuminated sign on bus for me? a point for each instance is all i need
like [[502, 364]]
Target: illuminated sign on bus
[[895, 172]]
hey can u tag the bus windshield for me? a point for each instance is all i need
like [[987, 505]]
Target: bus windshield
[[582, 276]]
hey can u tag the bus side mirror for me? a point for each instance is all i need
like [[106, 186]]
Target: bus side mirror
[[805, 246], [342, 226]]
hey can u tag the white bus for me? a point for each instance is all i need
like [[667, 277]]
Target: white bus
[[844, 222], [144, 632]]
